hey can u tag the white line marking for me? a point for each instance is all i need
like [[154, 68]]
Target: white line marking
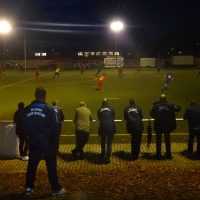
[[112, 98], [94, 120], [1, 88]]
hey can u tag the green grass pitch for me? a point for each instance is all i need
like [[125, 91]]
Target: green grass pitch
[[72, 87]]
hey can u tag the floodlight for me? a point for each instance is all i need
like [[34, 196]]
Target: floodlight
[[117, 26], [5, 27]]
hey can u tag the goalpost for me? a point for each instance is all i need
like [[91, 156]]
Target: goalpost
[[113, 61]]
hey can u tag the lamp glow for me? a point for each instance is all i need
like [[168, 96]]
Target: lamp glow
[[117, 26], [5, 27]]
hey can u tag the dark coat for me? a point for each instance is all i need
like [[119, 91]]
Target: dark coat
[[40, 125], [18, 122], [192, 114], [106, 116], [164, 115], [59, 115], [133, 117]]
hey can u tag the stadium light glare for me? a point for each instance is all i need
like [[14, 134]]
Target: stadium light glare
[[5, 27], [117, 26]]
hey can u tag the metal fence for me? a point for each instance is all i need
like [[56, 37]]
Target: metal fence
[[69, 127]]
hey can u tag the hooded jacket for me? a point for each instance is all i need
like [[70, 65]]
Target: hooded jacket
[[40, 125], [164, 115], [133, 117], [106, 116]]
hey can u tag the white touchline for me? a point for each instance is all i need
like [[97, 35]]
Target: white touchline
[[21, 81]]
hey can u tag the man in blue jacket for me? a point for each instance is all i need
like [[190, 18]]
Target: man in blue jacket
[[164, 123], [192, 114], [42, 132], [107, 129], [133, 117]]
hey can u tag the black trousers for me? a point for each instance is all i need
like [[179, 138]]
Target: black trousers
[[136, 143], [192, 135], [106, 145], [50, 157], [159, 142], [81, 140], [23, 146]]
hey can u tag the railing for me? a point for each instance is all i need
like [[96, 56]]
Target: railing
[[94, 120], [68, 130]]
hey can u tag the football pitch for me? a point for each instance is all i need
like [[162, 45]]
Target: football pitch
[[72, 87]]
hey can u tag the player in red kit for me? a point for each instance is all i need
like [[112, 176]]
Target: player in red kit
[[37, 73], [101, 81]]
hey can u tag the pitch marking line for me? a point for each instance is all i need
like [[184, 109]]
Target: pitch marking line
[[112, 98], [26, 80], [68, 83]]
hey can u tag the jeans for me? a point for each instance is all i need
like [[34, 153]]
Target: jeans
[[23, 146], [192, 134], [50, 157], [159, 142], [135, 144], [106, 145]]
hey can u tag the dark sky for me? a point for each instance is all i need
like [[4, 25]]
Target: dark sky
[[152, 27]]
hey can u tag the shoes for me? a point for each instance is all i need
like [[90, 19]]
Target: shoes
[[135, 157], [58, 192], [28, 191], [197, 154], [81, 157], [107, 160], [74, 153], [158, 157], [168, 156], [20, 157], [25, 158]]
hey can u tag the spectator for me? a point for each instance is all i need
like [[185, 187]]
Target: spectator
[[165, 122], [107, 129], [133, 117], [59, 117], [192, 114], [23, 146], [42, 130], [83, 117]]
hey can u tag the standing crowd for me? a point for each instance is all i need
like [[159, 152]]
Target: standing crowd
[[39, 125]]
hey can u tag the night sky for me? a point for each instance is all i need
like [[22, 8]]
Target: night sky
[[152, 27]]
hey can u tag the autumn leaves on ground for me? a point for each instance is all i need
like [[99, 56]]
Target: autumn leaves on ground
[[135, 183]]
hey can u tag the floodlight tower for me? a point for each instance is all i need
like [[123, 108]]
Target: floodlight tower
[[116, 26], [5, 29]]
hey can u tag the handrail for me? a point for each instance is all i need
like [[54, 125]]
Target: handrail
[[94, 120]]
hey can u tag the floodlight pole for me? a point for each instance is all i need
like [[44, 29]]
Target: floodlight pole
[[5, 29], [3, 49], [25, 53], [116, 26], [116, 48]]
